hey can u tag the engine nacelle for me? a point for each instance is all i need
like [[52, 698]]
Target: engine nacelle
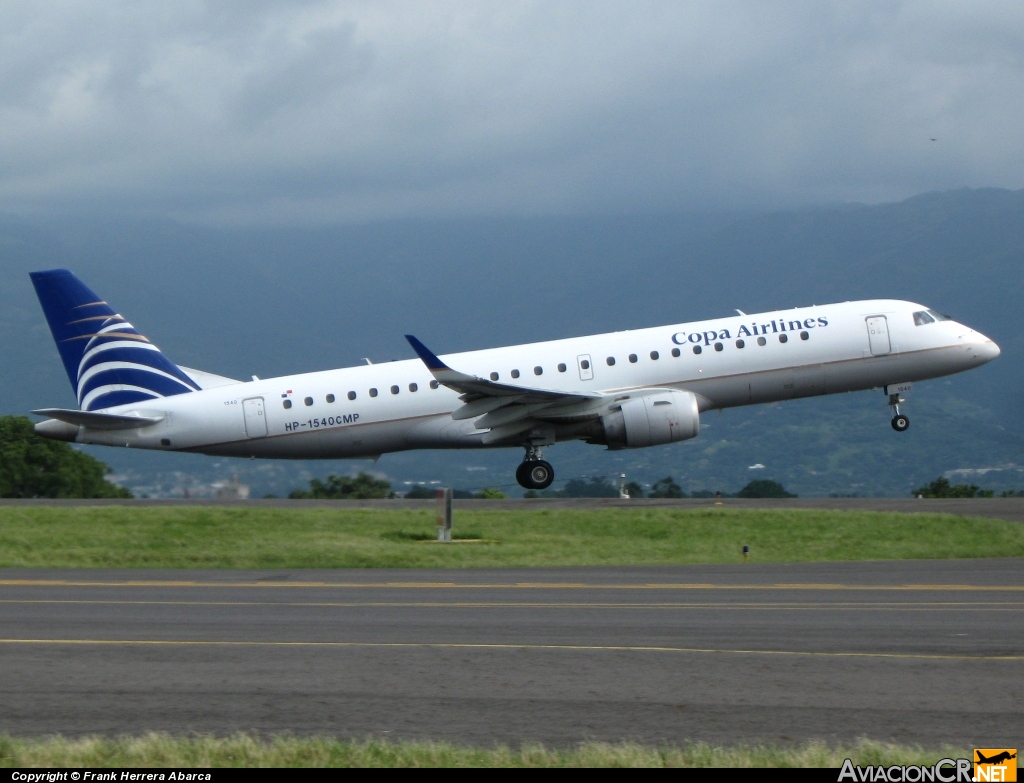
[[651, 419]]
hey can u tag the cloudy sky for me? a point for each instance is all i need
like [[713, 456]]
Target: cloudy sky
[[247, 112]]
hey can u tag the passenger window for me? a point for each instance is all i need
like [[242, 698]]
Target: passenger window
[[632, 358], [676, 352], [413, 387], [585, 364], [697, 349], [434, 384], [740, 344], [373, 392], [783, 338], [561, 368], [394, 390], [287, 404], [761, 341], [654, 355], [611, 361], [805, 336], [719, 346], [494, 376], [352, 395], [308, 401], [330, 398], [515, 373], [921, 318], [538, 370]]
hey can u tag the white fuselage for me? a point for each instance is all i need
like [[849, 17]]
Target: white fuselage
[[292, 417]]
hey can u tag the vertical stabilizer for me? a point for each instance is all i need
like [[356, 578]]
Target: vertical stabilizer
[[108, 362]]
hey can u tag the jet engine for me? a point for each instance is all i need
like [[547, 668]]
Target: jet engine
[[650, 418]]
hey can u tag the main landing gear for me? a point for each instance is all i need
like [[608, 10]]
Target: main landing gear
[[900, 422], [533, 472]]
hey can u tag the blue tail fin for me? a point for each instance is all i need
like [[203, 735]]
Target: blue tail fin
[[107, 361]]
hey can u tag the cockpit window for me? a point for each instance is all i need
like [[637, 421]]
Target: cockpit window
[[939, 316], [921, 318]]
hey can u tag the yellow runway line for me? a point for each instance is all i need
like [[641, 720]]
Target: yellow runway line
[[500, 646]]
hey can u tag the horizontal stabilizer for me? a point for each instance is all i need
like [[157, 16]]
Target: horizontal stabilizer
[[100, 421]]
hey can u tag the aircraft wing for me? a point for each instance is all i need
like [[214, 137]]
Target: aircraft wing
[[504, 408]]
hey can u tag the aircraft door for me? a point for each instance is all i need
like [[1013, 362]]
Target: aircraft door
[[586, 367], [255, 420], [878, 335]]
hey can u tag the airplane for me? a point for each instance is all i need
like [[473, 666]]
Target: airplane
[[622, 390], [996, 759]]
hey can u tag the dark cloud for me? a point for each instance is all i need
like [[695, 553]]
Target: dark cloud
[[349, 111]]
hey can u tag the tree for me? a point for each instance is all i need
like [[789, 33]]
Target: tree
[[597, 487], [34, 467], [362, 487], [941, 488], [764, 488], [666, 488], [490, 493]]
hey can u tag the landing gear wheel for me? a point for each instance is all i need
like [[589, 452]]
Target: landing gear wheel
[[541, 474], [523, 475], [535, 474]]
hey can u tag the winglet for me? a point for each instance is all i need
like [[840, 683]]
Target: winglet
[[429, 358]]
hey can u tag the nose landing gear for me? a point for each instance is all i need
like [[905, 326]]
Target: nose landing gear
[[533, 472], [900, 422]]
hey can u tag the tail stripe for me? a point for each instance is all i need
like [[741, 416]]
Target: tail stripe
[[116, 394], [117, 347], [120, 372]]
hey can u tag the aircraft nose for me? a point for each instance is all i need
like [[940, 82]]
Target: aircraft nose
[[985, 350]]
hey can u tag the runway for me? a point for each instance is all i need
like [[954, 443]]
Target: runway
[[913, 651]]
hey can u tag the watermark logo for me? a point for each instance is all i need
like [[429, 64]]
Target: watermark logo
[[990, 765], [995, 764], [943, 771]]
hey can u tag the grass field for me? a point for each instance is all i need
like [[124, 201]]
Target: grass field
[[220, 537], [161, 750]]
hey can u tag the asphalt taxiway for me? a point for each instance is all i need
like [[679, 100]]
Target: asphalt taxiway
[[913, 651]]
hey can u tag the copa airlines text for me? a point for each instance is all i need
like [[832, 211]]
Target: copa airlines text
[[622, 390]]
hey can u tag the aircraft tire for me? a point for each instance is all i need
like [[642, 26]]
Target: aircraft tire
[[523, 475], [900, 423], [540, 474], [535, 474]]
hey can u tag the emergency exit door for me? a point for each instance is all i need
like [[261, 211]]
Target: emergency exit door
[[255, 420], [878, 335], [585, 367]]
